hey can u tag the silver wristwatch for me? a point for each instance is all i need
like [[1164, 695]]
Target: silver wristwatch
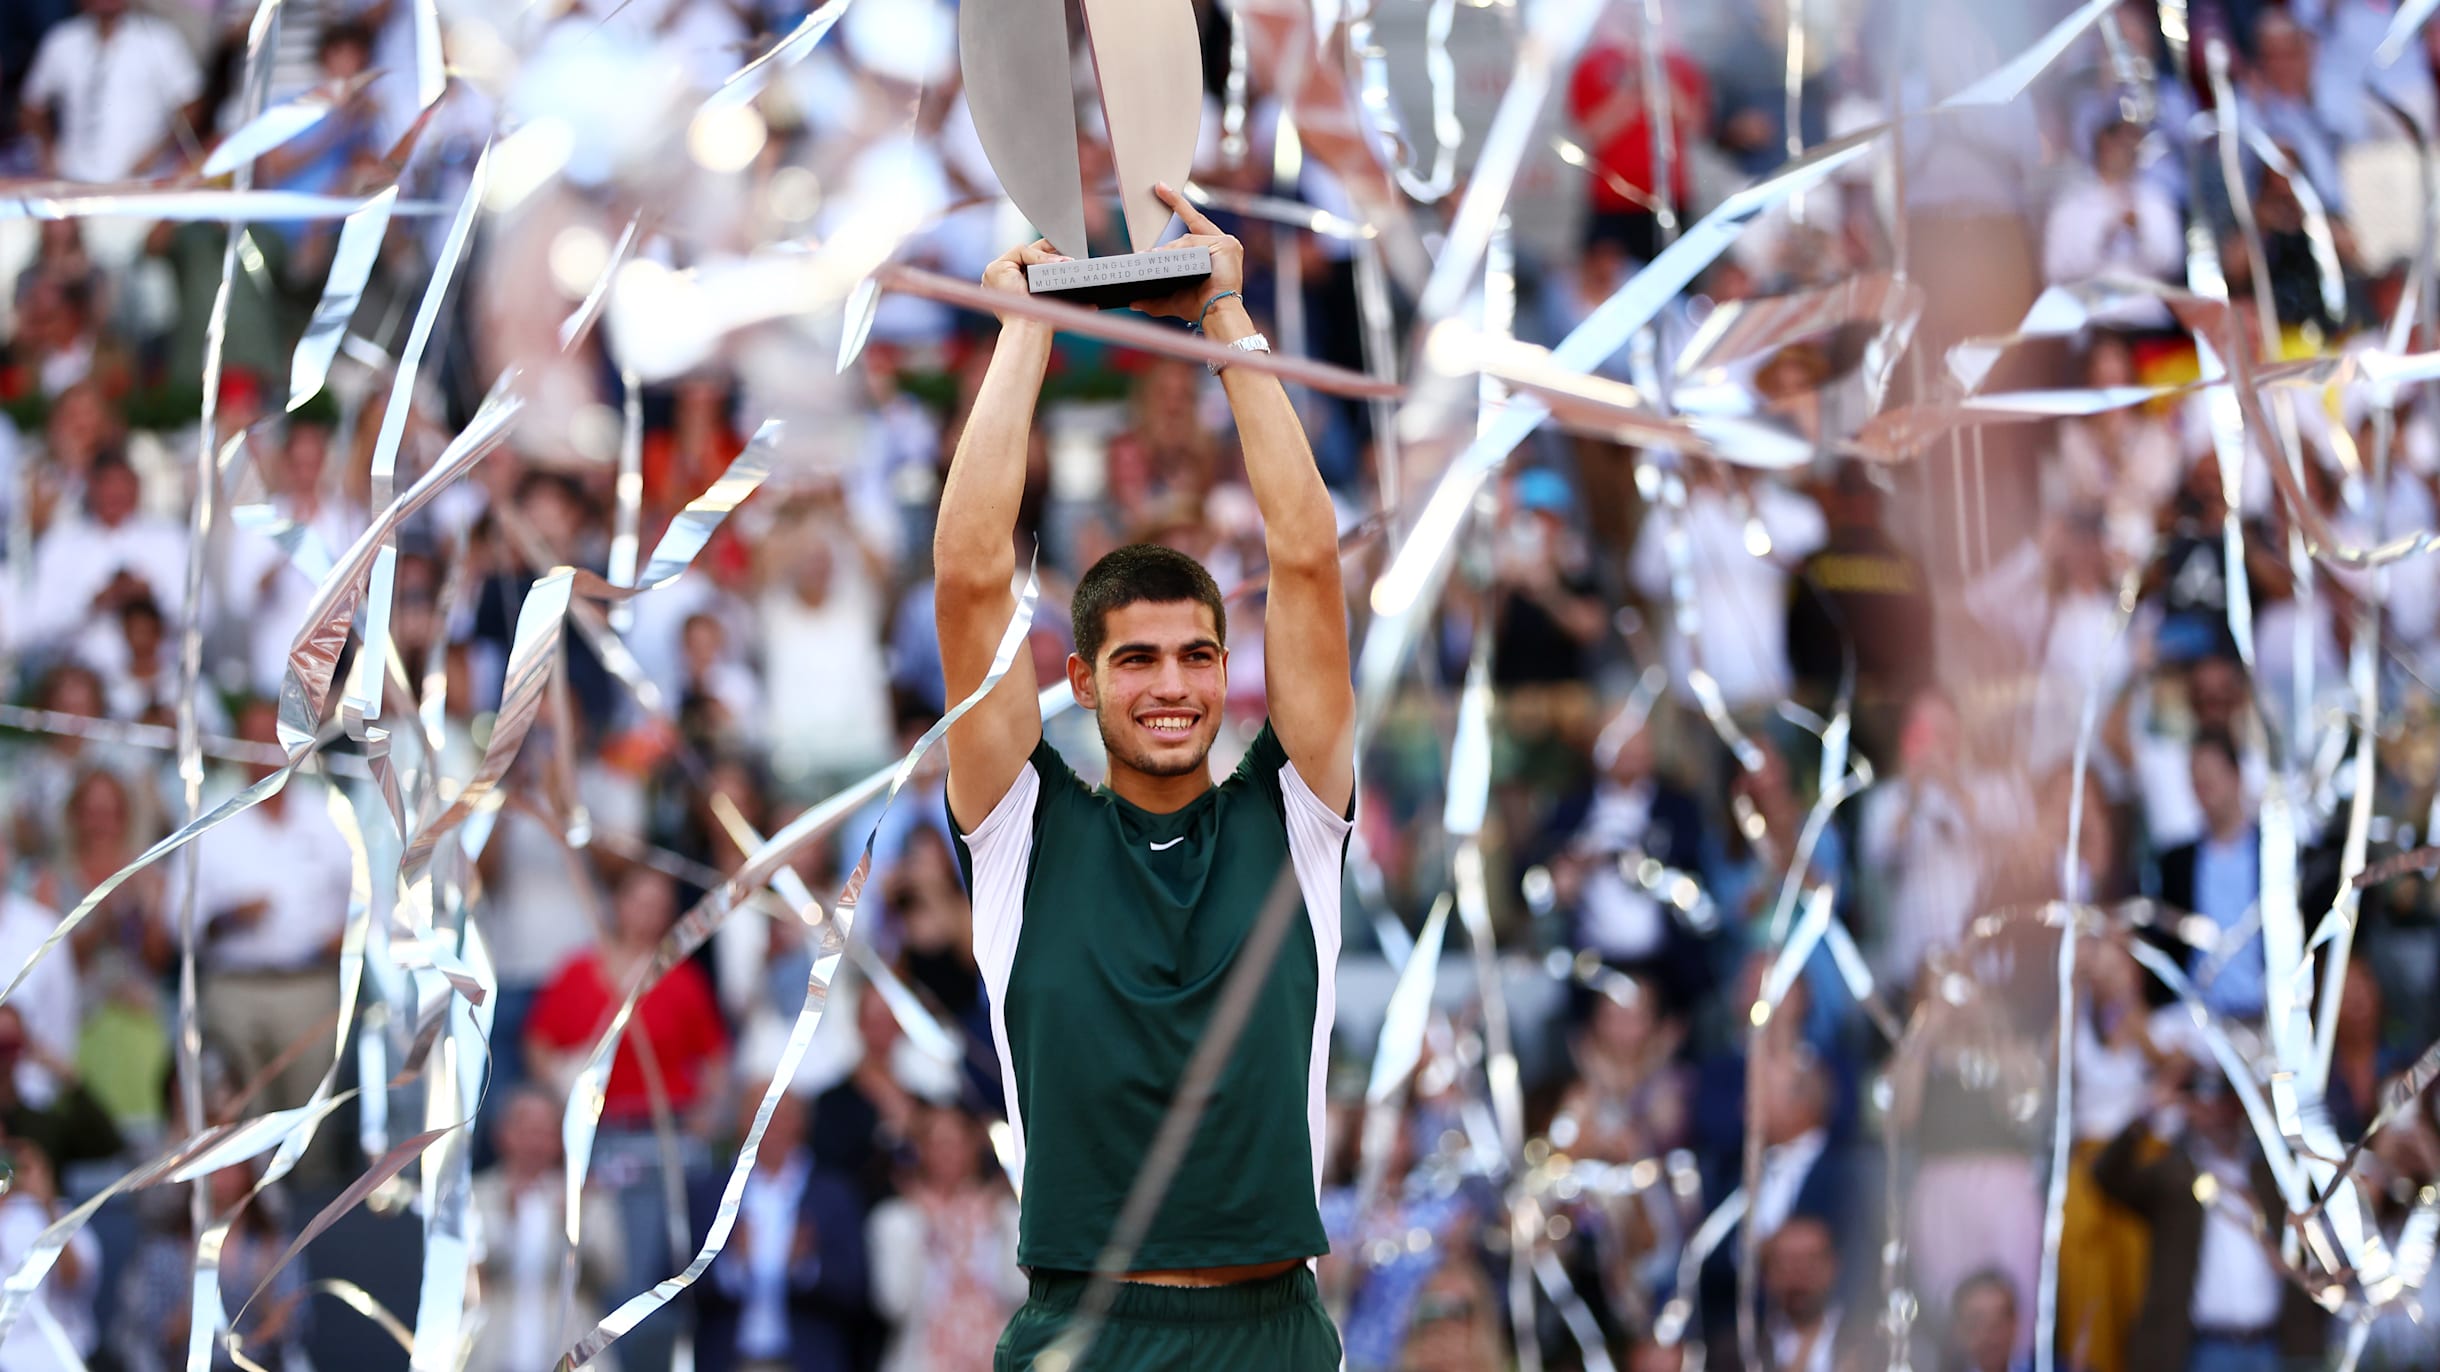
[[1251, 343]]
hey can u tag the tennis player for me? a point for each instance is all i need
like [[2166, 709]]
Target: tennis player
[[1106, 920]]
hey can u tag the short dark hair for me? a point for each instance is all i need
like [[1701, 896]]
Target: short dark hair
[[344, 35], [141, 607], [1134, 574]]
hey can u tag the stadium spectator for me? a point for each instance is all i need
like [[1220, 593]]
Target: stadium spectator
[[791, 1288], [2116, 223], [66, 1297], [271, 899], [110, 94], [2214, 1299], [156, 1295], [522, 1200], [944, 1251]]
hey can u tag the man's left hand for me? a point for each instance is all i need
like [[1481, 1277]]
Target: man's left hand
[[1228, 263]]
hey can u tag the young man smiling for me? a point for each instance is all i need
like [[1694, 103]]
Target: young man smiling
[[1106, 921]]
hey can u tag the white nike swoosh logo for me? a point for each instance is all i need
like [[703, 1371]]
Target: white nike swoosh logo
[[1158, 847]]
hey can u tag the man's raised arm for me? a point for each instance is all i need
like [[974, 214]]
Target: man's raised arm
[[974, 560], [1305, 660]]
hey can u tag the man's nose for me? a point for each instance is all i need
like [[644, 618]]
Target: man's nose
[[1171, 681]]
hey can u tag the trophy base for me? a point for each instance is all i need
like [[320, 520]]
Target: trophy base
[[1105, 282]]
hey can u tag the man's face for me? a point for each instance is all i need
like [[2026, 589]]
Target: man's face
[[1799, 1269], [2218, 789], [341, 61], [113, 494], [2215, 689], [529, 1134], [308, 453], [2286, 60], [1986, 1328], [645, 906], [259, 722], [1159, 686]]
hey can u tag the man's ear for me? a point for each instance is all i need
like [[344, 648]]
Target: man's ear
[[1080, 681]]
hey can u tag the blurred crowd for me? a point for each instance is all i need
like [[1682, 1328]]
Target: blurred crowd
[[2086, 660]]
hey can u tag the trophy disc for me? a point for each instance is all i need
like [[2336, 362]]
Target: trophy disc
[[1151, 76], [1015, 57]]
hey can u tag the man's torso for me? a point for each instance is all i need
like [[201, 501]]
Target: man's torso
[[1107, 934]]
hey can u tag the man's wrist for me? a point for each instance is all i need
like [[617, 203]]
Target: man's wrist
[[1227, 321]]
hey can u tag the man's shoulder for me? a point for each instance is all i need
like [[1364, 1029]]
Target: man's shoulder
[[21, 916], [68, 36]]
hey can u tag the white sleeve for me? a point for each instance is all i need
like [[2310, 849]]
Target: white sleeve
[[1002, 852], [45, 81], [894, 1242], [1002, 847], [2066, 247], [181, 79], [2164, 239], [1792, 519]]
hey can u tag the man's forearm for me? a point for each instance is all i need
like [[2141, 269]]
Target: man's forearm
[[979, 502], [36, 121], [1300, 525]]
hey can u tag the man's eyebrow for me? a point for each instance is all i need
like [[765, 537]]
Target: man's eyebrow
[[1187, 647]]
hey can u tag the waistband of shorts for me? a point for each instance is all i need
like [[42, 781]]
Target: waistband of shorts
[[1137, 1301]]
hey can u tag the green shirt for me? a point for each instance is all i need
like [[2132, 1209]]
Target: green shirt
[[1105, 934]]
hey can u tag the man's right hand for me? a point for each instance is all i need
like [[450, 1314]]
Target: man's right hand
[[1007, 271]]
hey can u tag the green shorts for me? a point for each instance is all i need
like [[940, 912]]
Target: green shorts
[[1276, 1324]]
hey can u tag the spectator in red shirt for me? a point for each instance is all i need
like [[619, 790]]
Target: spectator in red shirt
[[678, 1018], [1606, 99]]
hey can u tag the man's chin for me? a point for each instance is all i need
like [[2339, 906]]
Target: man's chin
[[1168, 762], [1182, 760]]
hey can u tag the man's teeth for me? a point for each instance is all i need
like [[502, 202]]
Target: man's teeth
[[1169, 724]]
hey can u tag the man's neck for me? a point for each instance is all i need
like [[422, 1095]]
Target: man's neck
[[1160, 794], [2226, 834]]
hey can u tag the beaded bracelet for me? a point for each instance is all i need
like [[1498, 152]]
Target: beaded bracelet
[[1207, 307]]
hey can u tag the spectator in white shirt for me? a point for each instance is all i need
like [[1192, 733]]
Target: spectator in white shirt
[[65, 1298], [523, 1203], [1920, 847], [85, 568], [57, 339], [722, 698], [272, 885], [822, 622], [2126, 461], [268, 590], [48, 999], [109, 93], [140, 677], [2115, 222], [1742, 536], [2056, 595]]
